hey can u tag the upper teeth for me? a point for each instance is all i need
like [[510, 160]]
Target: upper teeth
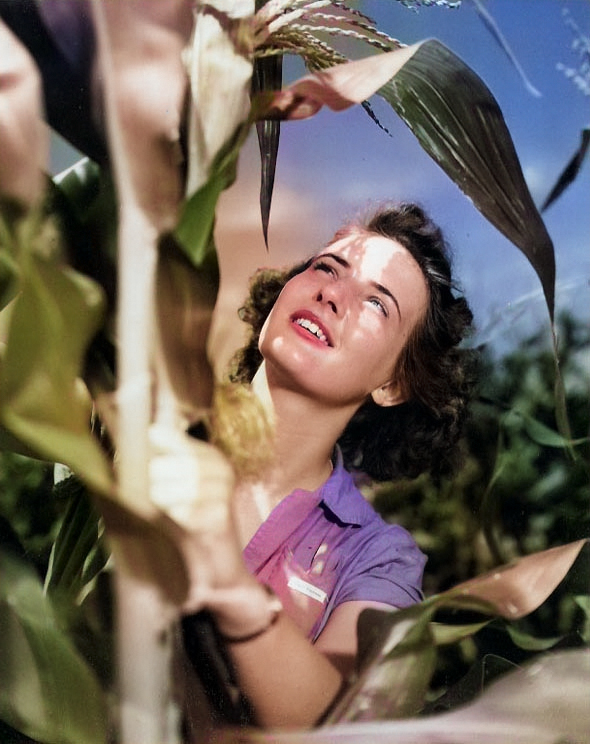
[[312, 328]]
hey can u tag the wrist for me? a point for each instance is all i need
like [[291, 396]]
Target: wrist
[[244, 612]]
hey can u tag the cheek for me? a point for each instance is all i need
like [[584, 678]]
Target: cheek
[[263, 333], [384, 349], [271, 328], [275, 321]]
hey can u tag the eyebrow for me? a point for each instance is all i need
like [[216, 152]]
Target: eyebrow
[[379, 287]]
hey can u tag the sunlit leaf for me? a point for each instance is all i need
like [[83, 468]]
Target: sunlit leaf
[[392, 644], [338, 87], [396, 657], [517, 589], [47, 691], [220, 71], [459, 123], [42, 399], [396, 685], [446, 634]]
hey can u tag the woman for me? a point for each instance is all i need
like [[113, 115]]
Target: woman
[[356, 354]]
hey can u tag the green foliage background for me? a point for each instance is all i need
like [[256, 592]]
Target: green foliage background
[[518, 491]]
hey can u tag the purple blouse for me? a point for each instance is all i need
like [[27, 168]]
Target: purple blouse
[[322, 548]]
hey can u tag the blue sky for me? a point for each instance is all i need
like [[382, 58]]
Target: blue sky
[[334, 165]]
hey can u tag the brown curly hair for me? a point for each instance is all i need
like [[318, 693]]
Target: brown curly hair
[[436, 374]]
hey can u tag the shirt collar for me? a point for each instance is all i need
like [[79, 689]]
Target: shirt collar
[[341, 496]]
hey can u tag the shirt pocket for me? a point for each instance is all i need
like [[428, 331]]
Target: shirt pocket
[[304, 588]]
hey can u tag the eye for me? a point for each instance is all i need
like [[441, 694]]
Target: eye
[[326, 267], [376, 302]]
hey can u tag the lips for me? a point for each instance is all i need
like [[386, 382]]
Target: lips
[[312, 326]]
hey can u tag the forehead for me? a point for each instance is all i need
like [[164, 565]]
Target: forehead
[[376, 257]]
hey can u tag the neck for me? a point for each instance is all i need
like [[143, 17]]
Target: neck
[[305, 434]]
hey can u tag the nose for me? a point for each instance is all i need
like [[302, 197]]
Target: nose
[[332, 295], [331, 304]]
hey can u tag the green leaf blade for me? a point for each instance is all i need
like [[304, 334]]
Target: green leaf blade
[[48, 692], [459, 123]]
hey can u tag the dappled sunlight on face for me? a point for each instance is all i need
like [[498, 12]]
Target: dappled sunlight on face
[[337, 329]]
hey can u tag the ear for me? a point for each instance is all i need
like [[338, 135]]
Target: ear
[[389, 394]]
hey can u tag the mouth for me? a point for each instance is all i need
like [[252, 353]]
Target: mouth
[[312, 326]]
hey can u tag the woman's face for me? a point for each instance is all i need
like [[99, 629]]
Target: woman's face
[[337, 329]]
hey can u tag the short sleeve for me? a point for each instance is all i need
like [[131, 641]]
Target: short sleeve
[[386, 566]]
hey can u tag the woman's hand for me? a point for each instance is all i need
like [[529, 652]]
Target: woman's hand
[[193, 483]]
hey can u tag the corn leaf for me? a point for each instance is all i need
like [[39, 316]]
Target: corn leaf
[[338, 87], [542, 434], [490, 23], [75, 546], [185, 299], [48, 692], [185, 310], [392, 644], [43, 402], [516, 589], [267, 75], [10, 224], [220, 71], [529, 642], [570, 172], [459, 123], [194, 231], [392, 681], [80, 184]]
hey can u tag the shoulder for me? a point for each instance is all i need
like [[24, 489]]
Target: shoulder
[[374, 546], [343, 499]]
